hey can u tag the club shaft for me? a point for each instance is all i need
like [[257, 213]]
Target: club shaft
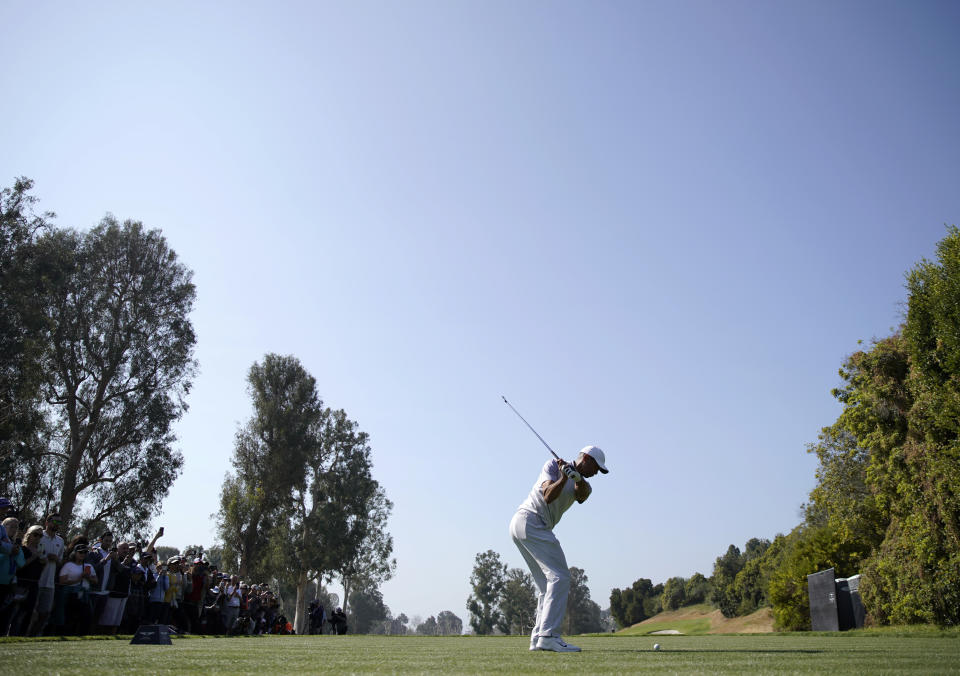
[[529, 425]]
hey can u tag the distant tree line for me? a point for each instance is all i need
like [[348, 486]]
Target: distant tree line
[[504, 600], [444, 624], [643, 599], [370, 615], [887, 499]]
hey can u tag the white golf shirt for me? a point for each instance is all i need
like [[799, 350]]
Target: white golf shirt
[[50, 545], [549, 513]]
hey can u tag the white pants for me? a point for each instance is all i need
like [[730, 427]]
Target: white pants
[[113, 612], [230, 615], [541, 550]]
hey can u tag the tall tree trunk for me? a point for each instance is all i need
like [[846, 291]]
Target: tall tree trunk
[[301, 619], [346, 593], [249, 537], [244, 571], [68, 492]]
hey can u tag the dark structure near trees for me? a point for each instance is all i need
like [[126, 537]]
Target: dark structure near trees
[[849, 606], [835, 603]]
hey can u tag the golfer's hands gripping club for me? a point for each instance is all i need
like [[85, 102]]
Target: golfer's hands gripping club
[[569, 470]]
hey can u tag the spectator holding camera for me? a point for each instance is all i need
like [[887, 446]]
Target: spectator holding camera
[[254, 610], [273, 612], [115, 587], [231, 602], [213, 604]]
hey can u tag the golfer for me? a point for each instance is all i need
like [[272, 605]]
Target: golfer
[[532, 529]]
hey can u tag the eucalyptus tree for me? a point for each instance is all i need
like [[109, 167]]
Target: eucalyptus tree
[[118, 364], [23, 431], [518, 603], [369, 610], [583, 613], [302, 505], [338, 519], [488, 579], [366, 547], [449, 624], [270, 456], [428, 627]]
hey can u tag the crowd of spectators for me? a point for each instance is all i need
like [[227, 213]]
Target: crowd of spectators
[[49, 587]]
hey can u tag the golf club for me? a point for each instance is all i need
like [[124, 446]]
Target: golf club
[[573, 474]]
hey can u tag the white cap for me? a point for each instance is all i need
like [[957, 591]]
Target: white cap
[[595, 453]]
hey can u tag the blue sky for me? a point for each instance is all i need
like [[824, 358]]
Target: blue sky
[[658, 227]]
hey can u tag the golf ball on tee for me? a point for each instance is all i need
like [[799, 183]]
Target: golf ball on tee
[[656, 646]]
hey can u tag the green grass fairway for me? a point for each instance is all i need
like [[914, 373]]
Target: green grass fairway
[[794, 653]]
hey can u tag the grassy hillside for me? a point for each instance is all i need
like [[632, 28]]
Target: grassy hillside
[[702, 619]]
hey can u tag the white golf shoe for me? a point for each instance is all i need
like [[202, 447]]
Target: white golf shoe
[[533, 643], [556, 644]]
